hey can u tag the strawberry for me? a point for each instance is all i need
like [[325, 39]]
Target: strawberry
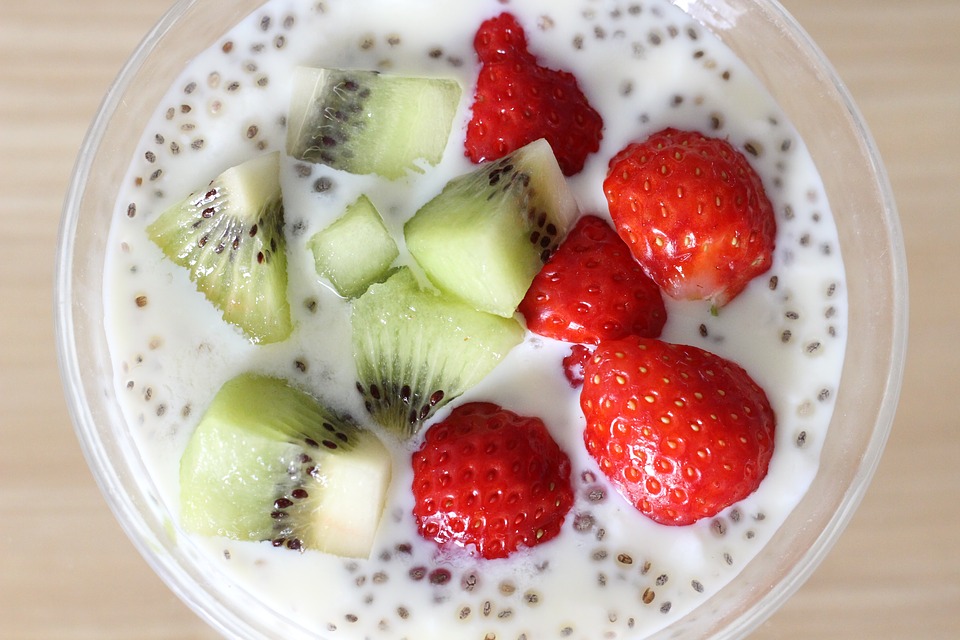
[[681, 433], [574, 362], [490, 481], [694, 213], [591, 289], [518, 101]]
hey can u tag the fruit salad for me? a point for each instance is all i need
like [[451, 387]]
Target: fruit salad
[[509, 320]]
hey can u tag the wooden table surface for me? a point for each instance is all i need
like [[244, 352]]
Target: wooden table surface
[[68, 572]]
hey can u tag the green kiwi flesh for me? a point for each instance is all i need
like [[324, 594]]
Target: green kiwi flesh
[[489, 232], [355, 250], [268, 462], [366, 122], [417, 349], [229, 236]]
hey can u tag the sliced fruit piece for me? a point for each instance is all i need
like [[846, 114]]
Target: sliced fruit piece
[[592, 290], [575, 362], [268, 462], [229, 236], [417, 350], [680, 432], [490, 481], [694, 213], [355, 250], [488, 233], [518, 100], [367, 122]]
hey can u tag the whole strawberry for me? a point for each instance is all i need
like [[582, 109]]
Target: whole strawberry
[[592, 289], [518, 101], [694, 213], [490, 481], [680, 432]]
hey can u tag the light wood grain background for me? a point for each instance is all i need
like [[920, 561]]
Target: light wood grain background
[[66, 570]]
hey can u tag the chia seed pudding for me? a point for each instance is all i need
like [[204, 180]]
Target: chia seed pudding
[[611, 573]]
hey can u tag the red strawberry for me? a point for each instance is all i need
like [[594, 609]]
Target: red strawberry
[[592, 289], [574, 362], [694, 213], [518, 101], [490, 481], [682, 433]]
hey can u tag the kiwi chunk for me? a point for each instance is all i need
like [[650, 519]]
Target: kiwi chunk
[[489, 232], [367, 122], [267, 462], [417, 349], [229, 236], [356, 250]]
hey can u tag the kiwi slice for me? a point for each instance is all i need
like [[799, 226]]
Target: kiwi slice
[[229, 235], [269, 462], [417, 349], [488, 233], [367, 122], [355, 250]]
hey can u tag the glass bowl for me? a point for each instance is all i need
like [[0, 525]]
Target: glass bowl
[[813, 97]]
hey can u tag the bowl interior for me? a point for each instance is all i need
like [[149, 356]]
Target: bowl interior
[[807, 88]]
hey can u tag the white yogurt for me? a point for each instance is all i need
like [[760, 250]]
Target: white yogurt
[[611, 573]]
